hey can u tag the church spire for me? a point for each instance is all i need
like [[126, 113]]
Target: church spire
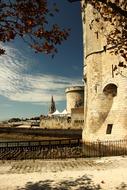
[[52, 108]]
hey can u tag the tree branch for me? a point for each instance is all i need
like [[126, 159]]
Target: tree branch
[[115, 8]]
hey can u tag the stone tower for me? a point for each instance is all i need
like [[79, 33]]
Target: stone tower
[[74, 97], [105, 85], [52, 108]]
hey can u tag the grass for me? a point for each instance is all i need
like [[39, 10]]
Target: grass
[[25, 137]]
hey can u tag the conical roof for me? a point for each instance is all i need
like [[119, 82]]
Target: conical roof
[[52, 108], [56, 113], [64, 112]]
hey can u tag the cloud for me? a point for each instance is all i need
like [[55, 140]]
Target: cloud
[[17, 85]]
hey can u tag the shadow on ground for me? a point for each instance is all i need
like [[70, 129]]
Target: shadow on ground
[[82, 183], [122, 186]]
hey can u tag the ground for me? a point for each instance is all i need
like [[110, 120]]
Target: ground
[[109, 173]]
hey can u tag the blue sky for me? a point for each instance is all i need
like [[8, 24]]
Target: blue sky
[[28, 80]]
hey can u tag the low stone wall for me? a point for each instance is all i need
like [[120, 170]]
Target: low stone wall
[[59, 123]]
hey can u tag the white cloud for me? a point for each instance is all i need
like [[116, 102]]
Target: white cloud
[[16, 85]]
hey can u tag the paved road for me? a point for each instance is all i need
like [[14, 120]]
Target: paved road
[[73, 174], [30, 166]]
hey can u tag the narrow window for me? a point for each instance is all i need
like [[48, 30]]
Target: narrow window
[[109, 128]]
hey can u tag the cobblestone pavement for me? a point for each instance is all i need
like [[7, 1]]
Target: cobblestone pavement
[[109, 173], [30, 166]]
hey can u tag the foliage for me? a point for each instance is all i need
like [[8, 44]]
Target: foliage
[[113, 13], [29, 20], [14, 120]]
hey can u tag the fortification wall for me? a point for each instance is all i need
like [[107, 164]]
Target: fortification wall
[[59, 123], [77, 116], [106, 97]]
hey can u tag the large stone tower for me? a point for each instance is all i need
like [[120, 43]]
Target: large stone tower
[[105, 86]]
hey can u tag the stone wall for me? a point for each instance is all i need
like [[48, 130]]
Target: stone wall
[[105, 95], [77, 116], [59, 123]]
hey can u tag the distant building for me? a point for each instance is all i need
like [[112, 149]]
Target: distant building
[[52, 108], [70, 118], [74, 97]]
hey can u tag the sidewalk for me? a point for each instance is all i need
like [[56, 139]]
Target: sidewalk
[[109, 173]]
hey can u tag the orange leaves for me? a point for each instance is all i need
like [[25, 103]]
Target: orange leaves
[[113, 15], [45, 47], [28, 20], [48, 48], [10, 35], [52, 38], [2, 51], [39, 33]]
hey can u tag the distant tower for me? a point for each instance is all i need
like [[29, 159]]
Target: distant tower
[[52, 108], [75, 97]]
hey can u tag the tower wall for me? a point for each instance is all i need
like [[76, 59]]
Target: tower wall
[[74, 97], [106, 90]]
